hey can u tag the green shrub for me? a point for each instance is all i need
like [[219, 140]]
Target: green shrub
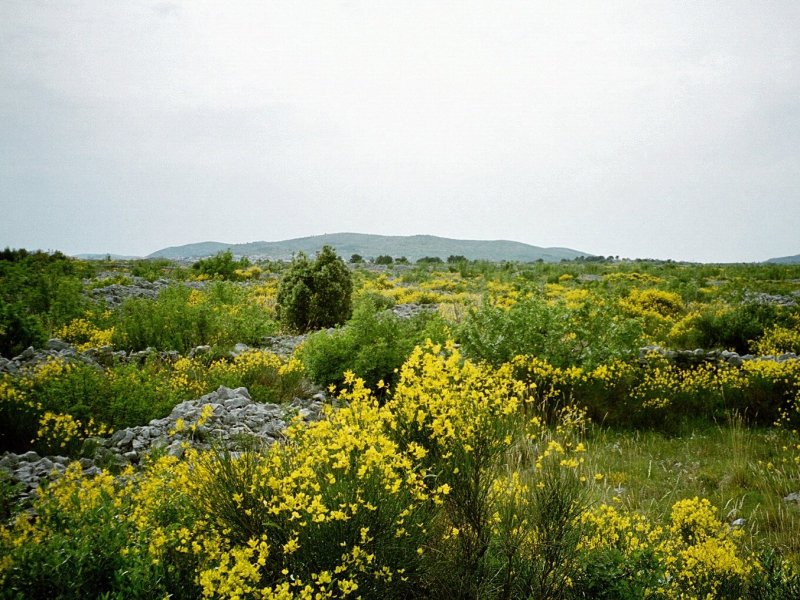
[[373, 345], [585, 336], [181, 318], [67, 303], [736, 328], [79, 399], [10, 490], [18, 329], [317, 294], [168, 323], [609, 574], [38, 292], [220, 266], [152, 268], [49, 569], [94, 548], [429, 260]]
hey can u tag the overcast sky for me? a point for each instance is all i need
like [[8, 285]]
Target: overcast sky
[[641, 129]]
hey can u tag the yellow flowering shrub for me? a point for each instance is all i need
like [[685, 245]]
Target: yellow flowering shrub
[[84, 334], [779, 339], [463, 420], [695, 556], [440, 290], [576, 298], [503, 295], [633, 277], [652, 303], [267, 376], [57, 432], [339, 494], [264, 295], [454, 482], [251, 272], [683, 332]]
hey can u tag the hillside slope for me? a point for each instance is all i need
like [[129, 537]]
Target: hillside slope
[[786, 260], [346, 244]]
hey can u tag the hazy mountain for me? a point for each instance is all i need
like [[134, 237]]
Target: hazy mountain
[[412, 247], [786, 260]]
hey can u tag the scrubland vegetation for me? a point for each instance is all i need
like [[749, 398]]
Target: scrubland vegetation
[[506, 438]]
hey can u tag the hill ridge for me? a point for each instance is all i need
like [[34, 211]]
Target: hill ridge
[[785, 260], [369, 245]]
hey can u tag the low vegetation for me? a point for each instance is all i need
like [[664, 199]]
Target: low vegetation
[[588, 429]]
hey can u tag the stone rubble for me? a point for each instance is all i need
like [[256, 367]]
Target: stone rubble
[[698, 356], [232, 422], [283, 345], [104, 356], [407, 311], [115, 294], [776, 299]]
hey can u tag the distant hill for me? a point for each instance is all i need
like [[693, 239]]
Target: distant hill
[[412, 247], [786, 260]]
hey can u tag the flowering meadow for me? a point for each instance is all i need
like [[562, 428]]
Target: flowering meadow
[[585, 429]]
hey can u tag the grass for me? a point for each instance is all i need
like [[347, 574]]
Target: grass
[[739, 469]]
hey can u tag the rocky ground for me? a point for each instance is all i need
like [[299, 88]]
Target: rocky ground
[[228, 419], [114, 294], [694, 357]]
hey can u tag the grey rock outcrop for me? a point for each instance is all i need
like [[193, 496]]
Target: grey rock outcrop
[[226, 418], [695, 357], [54, 349], [115, 294], [776, 299], [407, 311], [30, 469], [104, 356]]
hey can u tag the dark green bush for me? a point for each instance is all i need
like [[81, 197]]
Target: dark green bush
[[609, 574], [18, 329], [315, 294], [429, 260], [737, 328], [38, 292]]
